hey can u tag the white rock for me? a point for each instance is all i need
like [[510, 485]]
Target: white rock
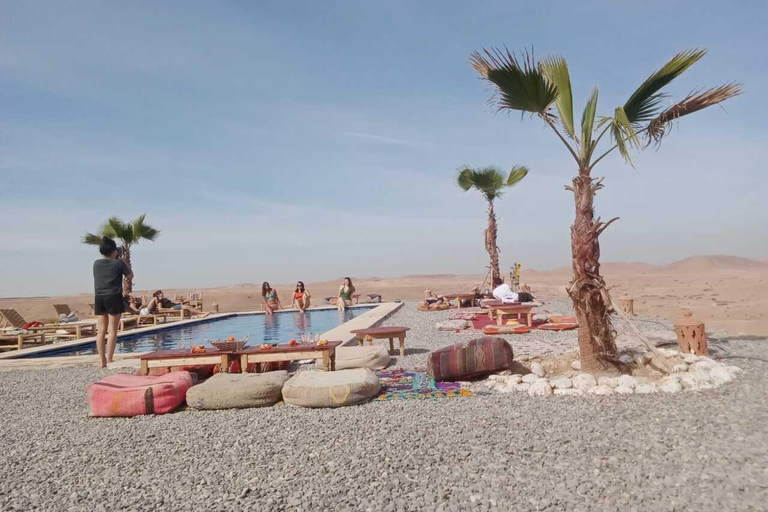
[[675, 376], [623, 390], [494, 377], [523, 359], [704, 363], [690, 358], [626, 358], [668, 352], [505, 372], [540, 388], [491, 384], [670, 386], [645, 389], [523, 387], [537, 369], [720, 375], [680, 368], [628, 381], [642, 359], [734, 370], [503, 389], [576, 365], [601, 390], [584, 382], [516, 378], [568, 392], [529, 378], [611, 382], [562, 383]]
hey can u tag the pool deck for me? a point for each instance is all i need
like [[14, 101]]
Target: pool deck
[[18, 360]]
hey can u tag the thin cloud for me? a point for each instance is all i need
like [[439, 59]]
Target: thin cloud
[[385, 140]]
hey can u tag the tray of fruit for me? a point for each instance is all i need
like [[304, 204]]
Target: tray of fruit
[[230, 344]]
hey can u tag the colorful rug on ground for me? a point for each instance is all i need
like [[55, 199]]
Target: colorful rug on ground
[[397, 384]]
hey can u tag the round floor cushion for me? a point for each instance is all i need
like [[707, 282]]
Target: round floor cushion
[[237, 390], [331, 389], [374, 357], [466, 360]]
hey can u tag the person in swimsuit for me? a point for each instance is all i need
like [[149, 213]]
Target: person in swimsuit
[[300, 297], [159, 304], [346, 290], [108, 273], [271, 300]]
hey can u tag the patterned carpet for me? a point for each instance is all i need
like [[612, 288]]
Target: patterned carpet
[[398, 384]]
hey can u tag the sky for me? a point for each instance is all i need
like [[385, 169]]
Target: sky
[[288, 141]]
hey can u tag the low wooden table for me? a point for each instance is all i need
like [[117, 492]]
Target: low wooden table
[[513, 309], [462, 296], [290, 353], [378, 333], [168, 358]]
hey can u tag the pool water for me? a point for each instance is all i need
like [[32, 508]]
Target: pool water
[[277, 328]]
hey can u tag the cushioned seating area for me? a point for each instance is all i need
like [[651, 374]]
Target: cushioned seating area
[[372, 357], [331, 389], [238, 391], [471, 359], [125, 394]]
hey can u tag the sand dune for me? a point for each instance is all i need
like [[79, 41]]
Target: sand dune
[[725, 291]]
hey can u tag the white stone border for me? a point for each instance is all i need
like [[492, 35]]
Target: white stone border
[[17, 359]]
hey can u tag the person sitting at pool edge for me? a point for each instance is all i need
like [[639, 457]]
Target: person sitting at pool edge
[[271, 300], [301, 297], [159, 304], [346, 290], [504, 293]]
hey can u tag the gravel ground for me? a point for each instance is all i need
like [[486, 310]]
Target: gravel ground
[[705, 450]]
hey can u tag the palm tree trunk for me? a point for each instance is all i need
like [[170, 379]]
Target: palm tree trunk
[[127, 283], [597, 346], [490, 243]]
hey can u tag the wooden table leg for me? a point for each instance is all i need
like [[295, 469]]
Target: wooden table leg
[[530, 320], [333, 360], [78, 332], [144, 370], [391, 345], [326, 361], [244, 363], [360, 341], [21, 341], [402, 346], [369, 340], [224, 363], [499, 318]]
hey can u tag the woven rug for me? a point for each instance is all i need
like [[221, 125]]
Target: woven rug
[[398, 384]]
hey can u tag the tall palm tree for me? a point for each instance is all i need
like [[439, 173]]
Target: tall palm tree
[[491, 182], [541, 87], [129, 234]]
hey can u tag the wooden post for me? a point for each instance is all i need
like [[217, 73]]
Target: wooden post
[[402, 346], [691, 335]]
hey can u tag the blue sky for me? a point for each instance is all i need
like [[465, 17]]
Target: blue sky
[[308, 140]]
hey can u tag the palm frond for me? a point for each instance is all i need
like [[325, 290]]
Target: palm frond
[[623, 133], [464, 179], [91, 239], [521, 84], [587, 126], [116, 228], [142, 231], [645, 102], [516, 175], [695, 101], [555, 70]]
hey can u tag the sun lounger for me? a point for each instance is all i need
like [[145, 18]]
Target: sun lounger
[[11, 319], [16, 338]]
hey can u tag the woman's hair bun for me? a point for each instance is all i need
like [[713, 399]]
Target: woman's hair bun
[[105, 239]]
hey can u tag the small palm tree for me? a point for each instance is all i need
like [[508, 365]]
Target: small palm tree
[[129, 234], [540, 88], [491, 182]]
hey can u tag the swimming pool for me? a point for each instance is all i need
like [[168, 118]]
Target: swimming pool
[[277, 328]]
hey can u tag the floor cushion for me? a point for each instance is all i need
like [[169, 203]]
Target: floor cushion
[[453, 325], [238, 391], [125, 394], [331, 389], [373, 357], [466, 360]]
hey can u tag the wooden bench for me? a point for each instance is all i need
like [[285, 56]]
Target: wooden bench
[[519, 310], [386, 332], [290, 353], [170, 358]]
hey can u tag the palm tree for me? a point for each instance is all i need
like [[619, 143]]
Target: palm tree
[[491, 182], [537, 88], [129, 234]]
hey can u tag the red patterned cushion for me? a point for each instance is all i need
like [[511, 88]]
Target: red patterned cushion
[[124, 394], [466, 360]]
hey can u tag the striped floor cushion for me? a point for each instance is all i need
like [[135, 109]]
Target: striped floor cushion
[[125, 394], [466, 360]]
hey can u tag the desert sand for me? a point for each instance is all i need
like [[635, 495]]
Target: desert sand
[[728, 292]]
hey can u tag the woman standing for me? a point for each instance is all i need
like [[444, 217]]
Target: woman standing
[[301, 297], [271, 300], [108, 305], [346, 290]]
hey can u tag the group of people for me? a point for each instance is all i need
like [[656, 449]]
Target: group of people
[[301, 298]]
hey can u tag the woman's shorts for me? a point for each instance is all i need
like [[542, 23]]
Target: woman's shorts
[[108, 304], [178, 307]]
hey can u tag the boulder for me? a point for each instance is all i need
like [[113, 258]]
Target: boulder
[[530, 378], [125, 394], [540, 388], [680, 368], [537, 369], [523, 387], [331, 389], [562, 383], [623, 390], [374, 357], [627, 381], [465, 360], [568, 392], [645, 389], [238, 390], [601, 390], [670, 386], [576, 365], [584, 382], [611, 382]]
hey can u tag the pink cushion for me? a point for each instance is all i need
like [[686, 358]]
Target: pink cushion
[[125, 394]]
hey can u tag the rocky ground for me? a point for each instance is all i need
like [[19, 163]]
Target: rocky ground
[[701, 450]]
